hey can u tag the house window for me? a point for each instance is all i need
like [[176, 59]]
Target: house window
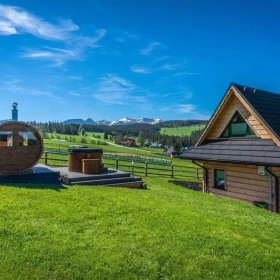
[[219, 179], [238, 127], [27, 139], [6, 139]]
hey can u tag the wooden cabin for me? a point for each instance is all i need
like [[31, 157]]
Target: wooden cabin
[[239, 149]]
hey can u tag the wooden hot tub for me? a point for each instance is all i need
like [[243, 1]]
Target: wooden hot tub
[[76, 155], [21, 147]]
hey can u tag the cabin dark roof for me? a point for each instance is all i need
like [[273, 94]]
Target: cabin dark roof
[[266, 104], [248, 151]]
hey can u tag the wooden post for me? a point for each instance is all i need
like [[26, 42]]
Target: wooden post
[[117, 163], [46, 158], [172, 171], [146, 168], [196, 172], [132, 168]]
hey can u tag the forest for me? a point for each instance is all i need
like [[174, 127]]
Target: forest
[[144, 132]]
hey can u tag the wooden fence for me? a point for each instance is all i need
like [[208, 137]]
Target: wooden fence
[[142, 168]]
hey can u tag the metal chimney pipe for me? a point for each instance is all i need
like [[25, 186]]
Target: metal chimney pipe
[[15, 112]]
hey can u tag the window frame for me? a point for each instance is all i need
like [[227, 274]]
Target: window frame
[[228, 126], [215, 179], [7, 133]]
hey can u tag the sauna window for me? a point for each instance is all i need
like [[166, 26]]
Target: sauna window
[[27, 139], [6, 139], [219, 179], [238, 128]]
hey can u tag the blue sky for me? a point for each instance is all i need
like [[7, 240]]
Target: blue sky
[[64, 59]]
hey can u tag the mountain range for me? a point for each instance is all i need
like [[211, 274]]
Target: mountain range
[[123, 121]]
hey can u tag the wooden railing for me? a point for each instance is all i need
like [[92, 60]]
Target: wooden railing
[[142, 168]]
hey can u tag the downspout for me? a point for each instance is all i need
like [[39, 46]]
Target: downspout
[[206, 175], [276, 202]]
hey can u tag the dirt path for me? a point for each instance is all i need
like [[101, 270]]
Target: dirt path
[[113, 144]]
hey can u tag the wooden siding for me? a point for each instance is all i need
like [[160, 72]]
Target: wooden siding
[[227, 113], [242, 182]]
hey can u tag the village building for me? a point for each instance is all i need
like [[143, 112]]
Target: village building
[[239, 149], [128, 142]]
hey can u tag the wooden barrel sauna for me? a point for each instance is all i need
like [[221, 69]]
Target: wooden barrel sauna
[[21, 147]]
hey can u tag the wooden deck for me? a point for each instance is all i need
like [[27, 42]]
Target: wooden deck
[[110, 178]]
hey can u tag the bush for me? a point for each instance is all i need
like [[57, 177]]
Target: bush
[[83, 140], [92, 141]]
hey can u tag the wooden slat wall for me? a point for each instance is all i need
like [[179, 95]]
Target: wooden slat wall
[[242, 182], [226, 114]]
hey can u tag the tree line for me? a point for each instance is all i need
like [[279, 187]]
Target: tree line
[[146, 132]]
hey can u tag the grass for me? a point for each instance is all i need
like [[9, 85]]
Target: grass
[[165, 232], [147, 152], [179, 131]]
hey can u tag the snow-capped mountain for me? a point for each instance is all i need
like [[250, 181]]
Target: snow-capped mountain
[[126, 121], [123, 121], [103, 122], [79, 121]]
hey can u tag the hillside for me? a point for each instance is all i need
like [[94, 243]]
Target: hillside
[[179, 131], [165, 232]]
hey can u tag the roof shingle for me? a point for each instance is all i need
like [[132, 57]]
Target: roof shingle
[[249, 151]]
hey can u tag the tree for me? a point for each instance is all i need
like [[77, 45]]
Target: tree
[[141, 139], [105, 135]]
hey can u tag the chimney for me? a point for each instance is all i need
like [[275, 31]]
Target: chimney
[[15, 112]]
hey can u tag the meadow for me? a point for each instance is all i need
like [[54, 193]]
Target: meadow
[[179, 131], [164, 232], [149, 152]]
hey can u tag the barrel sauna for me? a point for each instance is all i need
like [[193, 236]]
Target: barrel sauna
[[21, 147]]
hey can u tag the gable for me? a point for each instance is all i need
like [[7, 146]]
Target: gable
[[221, 118], [238, 127]]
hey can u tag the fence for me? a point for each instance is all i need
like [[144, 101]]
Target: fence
[[114, 156], [146, 168]]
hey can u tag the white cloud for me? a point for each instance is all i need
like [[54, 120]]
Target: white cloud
[[12, 86], [59, 56], [172, 66], [151, 47], [126, 36], [186, 108], [7, 29], [187, 73], [161, 59], [74, 94], [15, 20], [113, 89], [139, 69]]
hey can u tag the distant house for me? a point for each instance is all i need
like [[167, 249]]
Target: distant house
[[240, 148], [169, 150], [156, 145], [128, 142]]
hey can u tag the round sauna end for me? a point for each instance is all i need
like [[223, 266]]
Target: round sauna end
[[21, 147]]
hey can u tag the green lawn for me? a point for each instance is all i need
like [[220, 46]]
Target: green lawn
[[179, 131], [165, 232], [148, 152]]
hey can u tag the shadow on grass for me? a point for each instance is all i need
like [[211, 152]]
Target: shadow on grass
[[37, 186]]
